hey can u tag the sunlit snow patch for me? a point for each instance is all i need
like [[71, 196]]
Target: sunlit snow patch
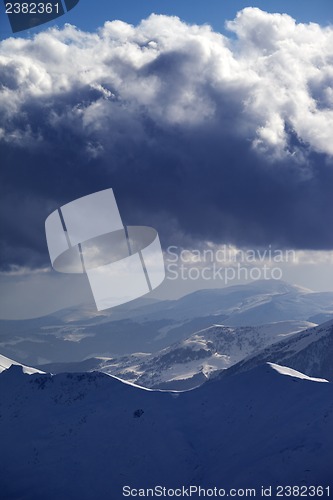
[[284, 370]]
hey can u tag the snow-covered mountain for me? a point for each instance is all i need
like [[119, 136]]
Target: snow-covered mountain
[[310, 352], [76, 334], [6, 363], [86, 436], [254, 303], [189, 363]]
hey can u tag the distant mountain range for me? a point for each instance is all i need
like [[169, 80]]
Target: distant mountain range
[[145, 326], [189, 363]]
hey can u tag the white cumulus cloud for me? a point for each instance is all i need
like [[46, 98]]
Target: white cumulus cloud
[[277, 75]]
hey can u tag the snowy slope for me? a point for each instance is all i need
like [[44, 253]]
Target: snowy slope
[[6, 363], [217, 347], [189, 363], [85, 436], [310, 352]]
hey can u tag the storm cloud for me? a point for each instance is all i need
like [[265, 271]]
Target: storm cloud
[[204, 137]]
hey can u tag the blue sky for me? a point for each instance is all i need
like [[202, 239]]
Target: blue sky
[[89, 15], [213, 12]]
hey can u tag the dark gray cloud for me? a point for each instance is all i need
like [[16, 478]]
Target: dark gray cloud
[[203, 138]]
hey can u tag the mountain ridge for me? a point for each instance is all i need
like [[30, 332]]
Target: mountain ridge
[[98, 434], [309, 352]]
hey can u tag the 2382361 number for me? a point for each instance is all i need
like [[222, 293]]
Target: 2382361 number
[[302, 491], [32, 8]]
